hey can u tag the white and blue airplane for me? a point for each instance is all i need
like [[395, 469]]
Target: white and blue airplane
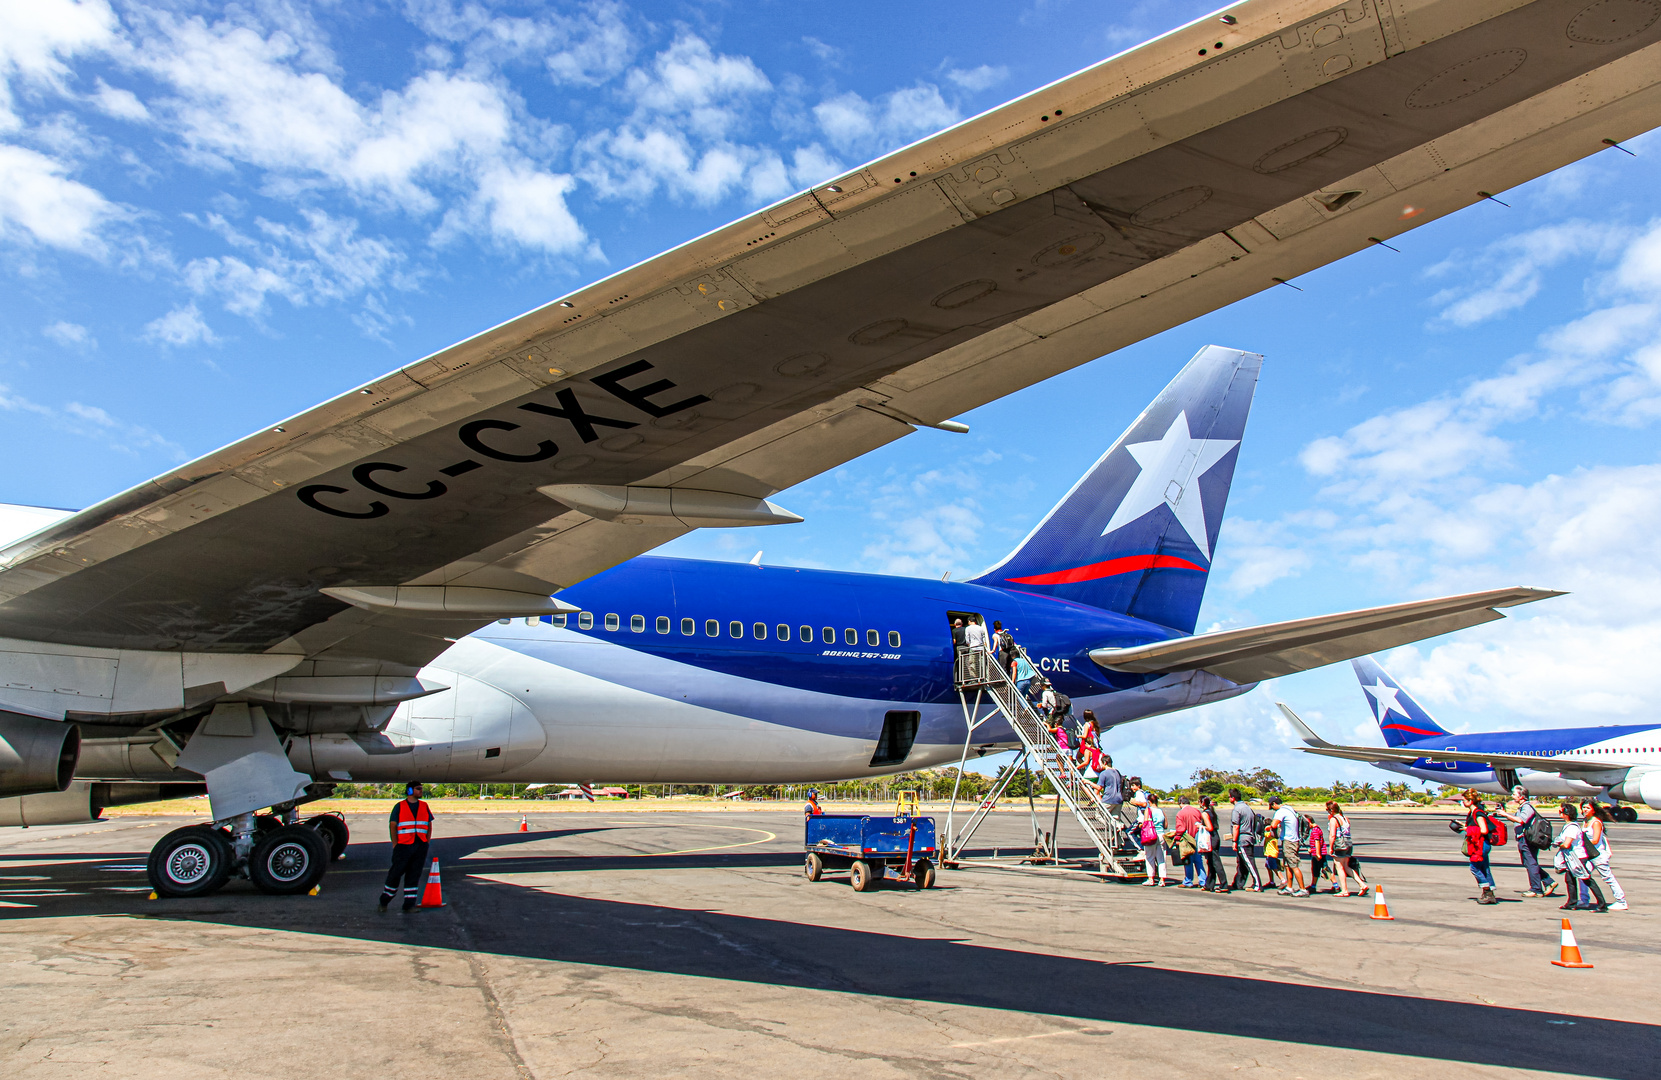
[[1616, 763]]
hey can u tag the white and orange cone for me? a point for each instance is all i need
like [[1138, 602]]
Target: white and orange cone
[[433, 894], [1381, 910], [1570, 951], [524, 825]]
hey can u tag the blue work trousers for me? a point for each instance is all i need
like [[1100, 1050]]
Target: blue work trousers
[[1193, 869], [1538, 880]]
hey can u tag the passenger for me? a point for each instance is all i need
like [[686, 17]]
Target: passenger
[[1244, 827], [1003, 642], [1284, 823], [812, 807], [1343, 851], [1478, 830], [1110, 782], [959, 637], [1089, 742], [1317, 853], [1211, 853], [1597, 843], [1540, 883], [1271, 858], [974, 635], [1188, 848], [1151, 835], [1571, 842]]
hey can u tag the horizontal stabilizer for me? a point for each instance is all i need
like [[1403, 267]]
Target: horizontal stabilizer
[[1406, 756], [1255, 653]]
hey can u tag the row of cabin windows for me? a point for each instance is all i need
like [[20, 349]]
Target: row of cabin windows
[[735, 629]]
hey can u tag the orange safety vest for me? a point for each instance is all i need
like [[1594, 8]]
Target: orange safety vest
[[414, 826]]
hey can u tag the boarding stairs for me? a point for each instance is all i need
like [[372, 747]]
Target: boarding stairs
[[987, 691]]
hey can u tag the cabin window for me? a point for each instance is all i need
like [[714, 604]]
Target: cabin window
[[893, 639], [735, 629], [899, 731], [828, 635], [557, 620], [637, 623], [663, 624], [782, 632], [689, 627], [872, 639], [759, 631], [712, 627], [585, 620], [805, 633], [612, 622], [851, 636]]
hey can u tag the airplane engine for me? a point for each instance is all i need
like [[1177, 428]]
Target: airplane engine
[[1640, 786], [36, 755], [84, 800]]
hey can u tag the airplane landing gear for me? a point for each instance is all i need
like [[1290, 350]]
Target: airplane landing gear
[[288, 860], [332, 827], [193, 861]]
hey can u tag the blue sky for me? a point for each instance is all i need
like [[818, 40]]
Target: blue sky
[[214, 216]]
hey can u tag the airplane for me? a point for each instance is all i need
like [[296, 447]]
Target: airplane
[[313, 570], [1615, 762]]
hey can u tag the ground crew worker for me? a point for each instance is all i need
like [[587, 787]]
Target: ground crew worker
[[410, 827], [812, 807]]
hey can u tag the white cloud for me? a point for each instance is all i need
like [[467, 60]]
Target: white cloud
[[181, 326], [583, 48], [1510, 272], [529, 208], [40, 35], [92, 422], [857, 126], [323, 260], [979, 78], [71, 335], [39, 203], [122, 104]]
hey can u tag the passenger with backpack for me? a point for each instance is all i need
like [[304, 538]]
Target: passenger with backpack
[[1343, 851], [1533, 836], [1596, 841], [1571, 842], [1245, 830], [1316, 840], [1150, 833], [1289, 837], [1480, 832], [1003, 643]]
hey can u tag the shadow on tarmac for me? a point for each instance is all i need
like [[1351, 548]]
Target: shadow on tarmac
[[506, 919]]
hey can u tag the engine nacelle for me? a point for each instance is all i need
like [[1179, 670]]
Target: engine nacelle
[[36, 755], [84, 800], [1640, 786]]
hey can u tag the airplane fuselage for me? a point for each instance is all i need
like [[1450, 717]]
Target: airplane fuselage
[[692, 671], [1630, 748]]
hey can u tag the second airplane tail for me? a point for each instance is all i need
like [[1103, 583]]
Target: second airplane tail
[[1137, 532], [1401, 719]]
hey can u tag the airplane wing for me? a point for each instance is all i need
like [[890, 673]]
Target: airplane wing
[[1198, 168], [1317, 745], [1255, 653]]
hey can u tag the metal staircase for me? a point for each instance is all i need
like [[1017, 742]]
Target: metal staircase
[[987, 692]]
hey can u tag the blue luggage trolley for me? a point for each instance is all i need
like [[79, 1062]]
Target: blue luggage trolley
[[871, 849]]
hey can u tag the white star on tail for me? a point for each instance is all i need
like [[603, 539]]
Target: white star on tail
[[1384, 699], [1171, 469]]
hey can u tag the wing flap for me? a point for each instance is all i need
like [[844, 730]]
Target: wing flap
[[1255, 653]]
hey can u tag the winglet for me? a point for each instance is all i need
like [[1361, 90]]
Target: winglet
[[1304, 731], [757, 560]]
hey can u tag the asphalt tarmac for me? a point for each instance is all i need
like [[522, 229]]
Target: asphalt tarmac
[[683, 944]]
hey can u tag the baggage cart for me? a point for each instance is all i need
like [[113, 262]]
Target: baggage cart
[[871, 849]]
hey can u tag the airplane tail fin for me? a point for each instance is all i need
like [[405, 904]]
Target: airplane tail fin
[[1400, 718], [1136, 533]]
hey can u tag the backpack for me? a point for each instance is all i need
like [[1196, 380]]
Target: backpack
[[1539, 832], [1303, 828], [1063, 704], [1496, 831]]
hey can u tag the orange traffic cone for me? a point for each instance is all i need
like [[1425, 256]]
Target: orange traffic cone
[[433, 894], [1381, 910], [1570, 951], [524, 826]]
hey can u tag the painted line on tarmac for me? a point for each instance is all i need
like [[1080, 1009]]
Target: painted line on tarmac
[[1025, 1038]]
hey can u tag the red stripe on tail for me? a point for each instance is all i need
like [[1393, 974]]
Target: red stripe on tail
[[1127, 565]]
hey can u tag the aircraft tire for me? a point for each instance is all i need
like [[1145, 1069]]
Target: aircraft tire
[[1626, 813], [814, 867], [288, 860], [923, 874], [192, 861], [333, 828]]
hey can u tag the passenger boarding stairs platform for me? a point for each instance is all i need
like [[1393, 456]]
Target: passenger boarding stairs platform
[[987, 692]]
